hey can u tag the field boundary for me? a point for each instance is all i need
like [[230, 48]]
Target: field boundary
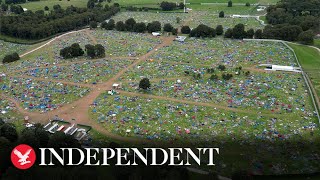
[[305, 76]]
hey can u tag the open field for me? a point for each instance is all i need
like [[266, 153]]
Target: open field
[[310, 61]]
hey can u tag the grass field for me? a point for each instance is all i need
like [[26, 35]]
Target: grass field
[[310, 62], [194, 4], [317, 43]]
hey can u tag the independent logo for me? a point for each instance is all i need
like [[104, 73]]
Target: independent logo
[[23, 156]]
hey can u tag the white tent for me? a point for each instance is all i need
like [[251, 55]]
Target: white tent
[[272, 67]]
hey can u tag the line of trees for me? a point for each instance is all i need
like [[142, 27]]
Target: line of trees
[[132, 26], [38, 25], [285, 32]]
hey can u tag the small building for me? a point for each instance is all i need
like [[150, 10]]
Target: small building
[[180, 38], [115, 86], [261, 8], [156, 34], [272, 67]]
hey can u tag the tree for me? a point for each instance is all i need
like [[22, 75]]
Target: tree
[[258, 34], [144, 84], [203, 31], [4, 7], [230, 3], [250, 33], [129, 23], [104, 25], [110, 25], [227, 76], [90, 4], [174, 31], [306, 37], [222, 67], [10, 58], [238, 31], [99, 51], [185, 30], [93, 24], [109, 1], [247, 4], [71, 51], [76, 50], [154, 26], [120, 26], [140, 27], [46, 8], [90, 50], [213, 77], [221, 14], [219, 30], [9, 132], [167, 6], [228, 33], [167, 27]]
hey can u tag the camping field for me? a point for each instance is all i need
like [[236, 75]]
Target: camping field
[[203, 91]]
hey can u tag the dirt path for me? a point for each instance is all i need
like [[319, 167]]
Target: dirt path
[[93, 39], [79, 109], [50, 42]]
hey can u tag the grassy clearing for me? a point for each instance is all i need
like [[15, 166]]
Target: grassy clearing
[[310, 62]]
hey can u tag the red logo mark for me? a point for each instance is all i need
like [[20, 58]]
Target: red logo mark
[[23, 156]]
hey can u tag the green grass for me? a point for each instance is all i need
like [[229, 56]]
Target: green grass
[[317, 43], [39, 5], [310, 62]]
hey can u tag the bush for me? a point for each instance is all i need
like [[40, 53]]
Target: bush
[[110, 25], [221, 14], [154, 26], [167, 6], [71, 51], [144, 84], [222, 67], [250, 33], [11, 58], [95, 51], [140, 27], [228, 33], [227, 76], [219, 30], [167, 27], [203, 31], [120, 26], [258, 34], [230, 3], [247, 4], [185, 30]]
